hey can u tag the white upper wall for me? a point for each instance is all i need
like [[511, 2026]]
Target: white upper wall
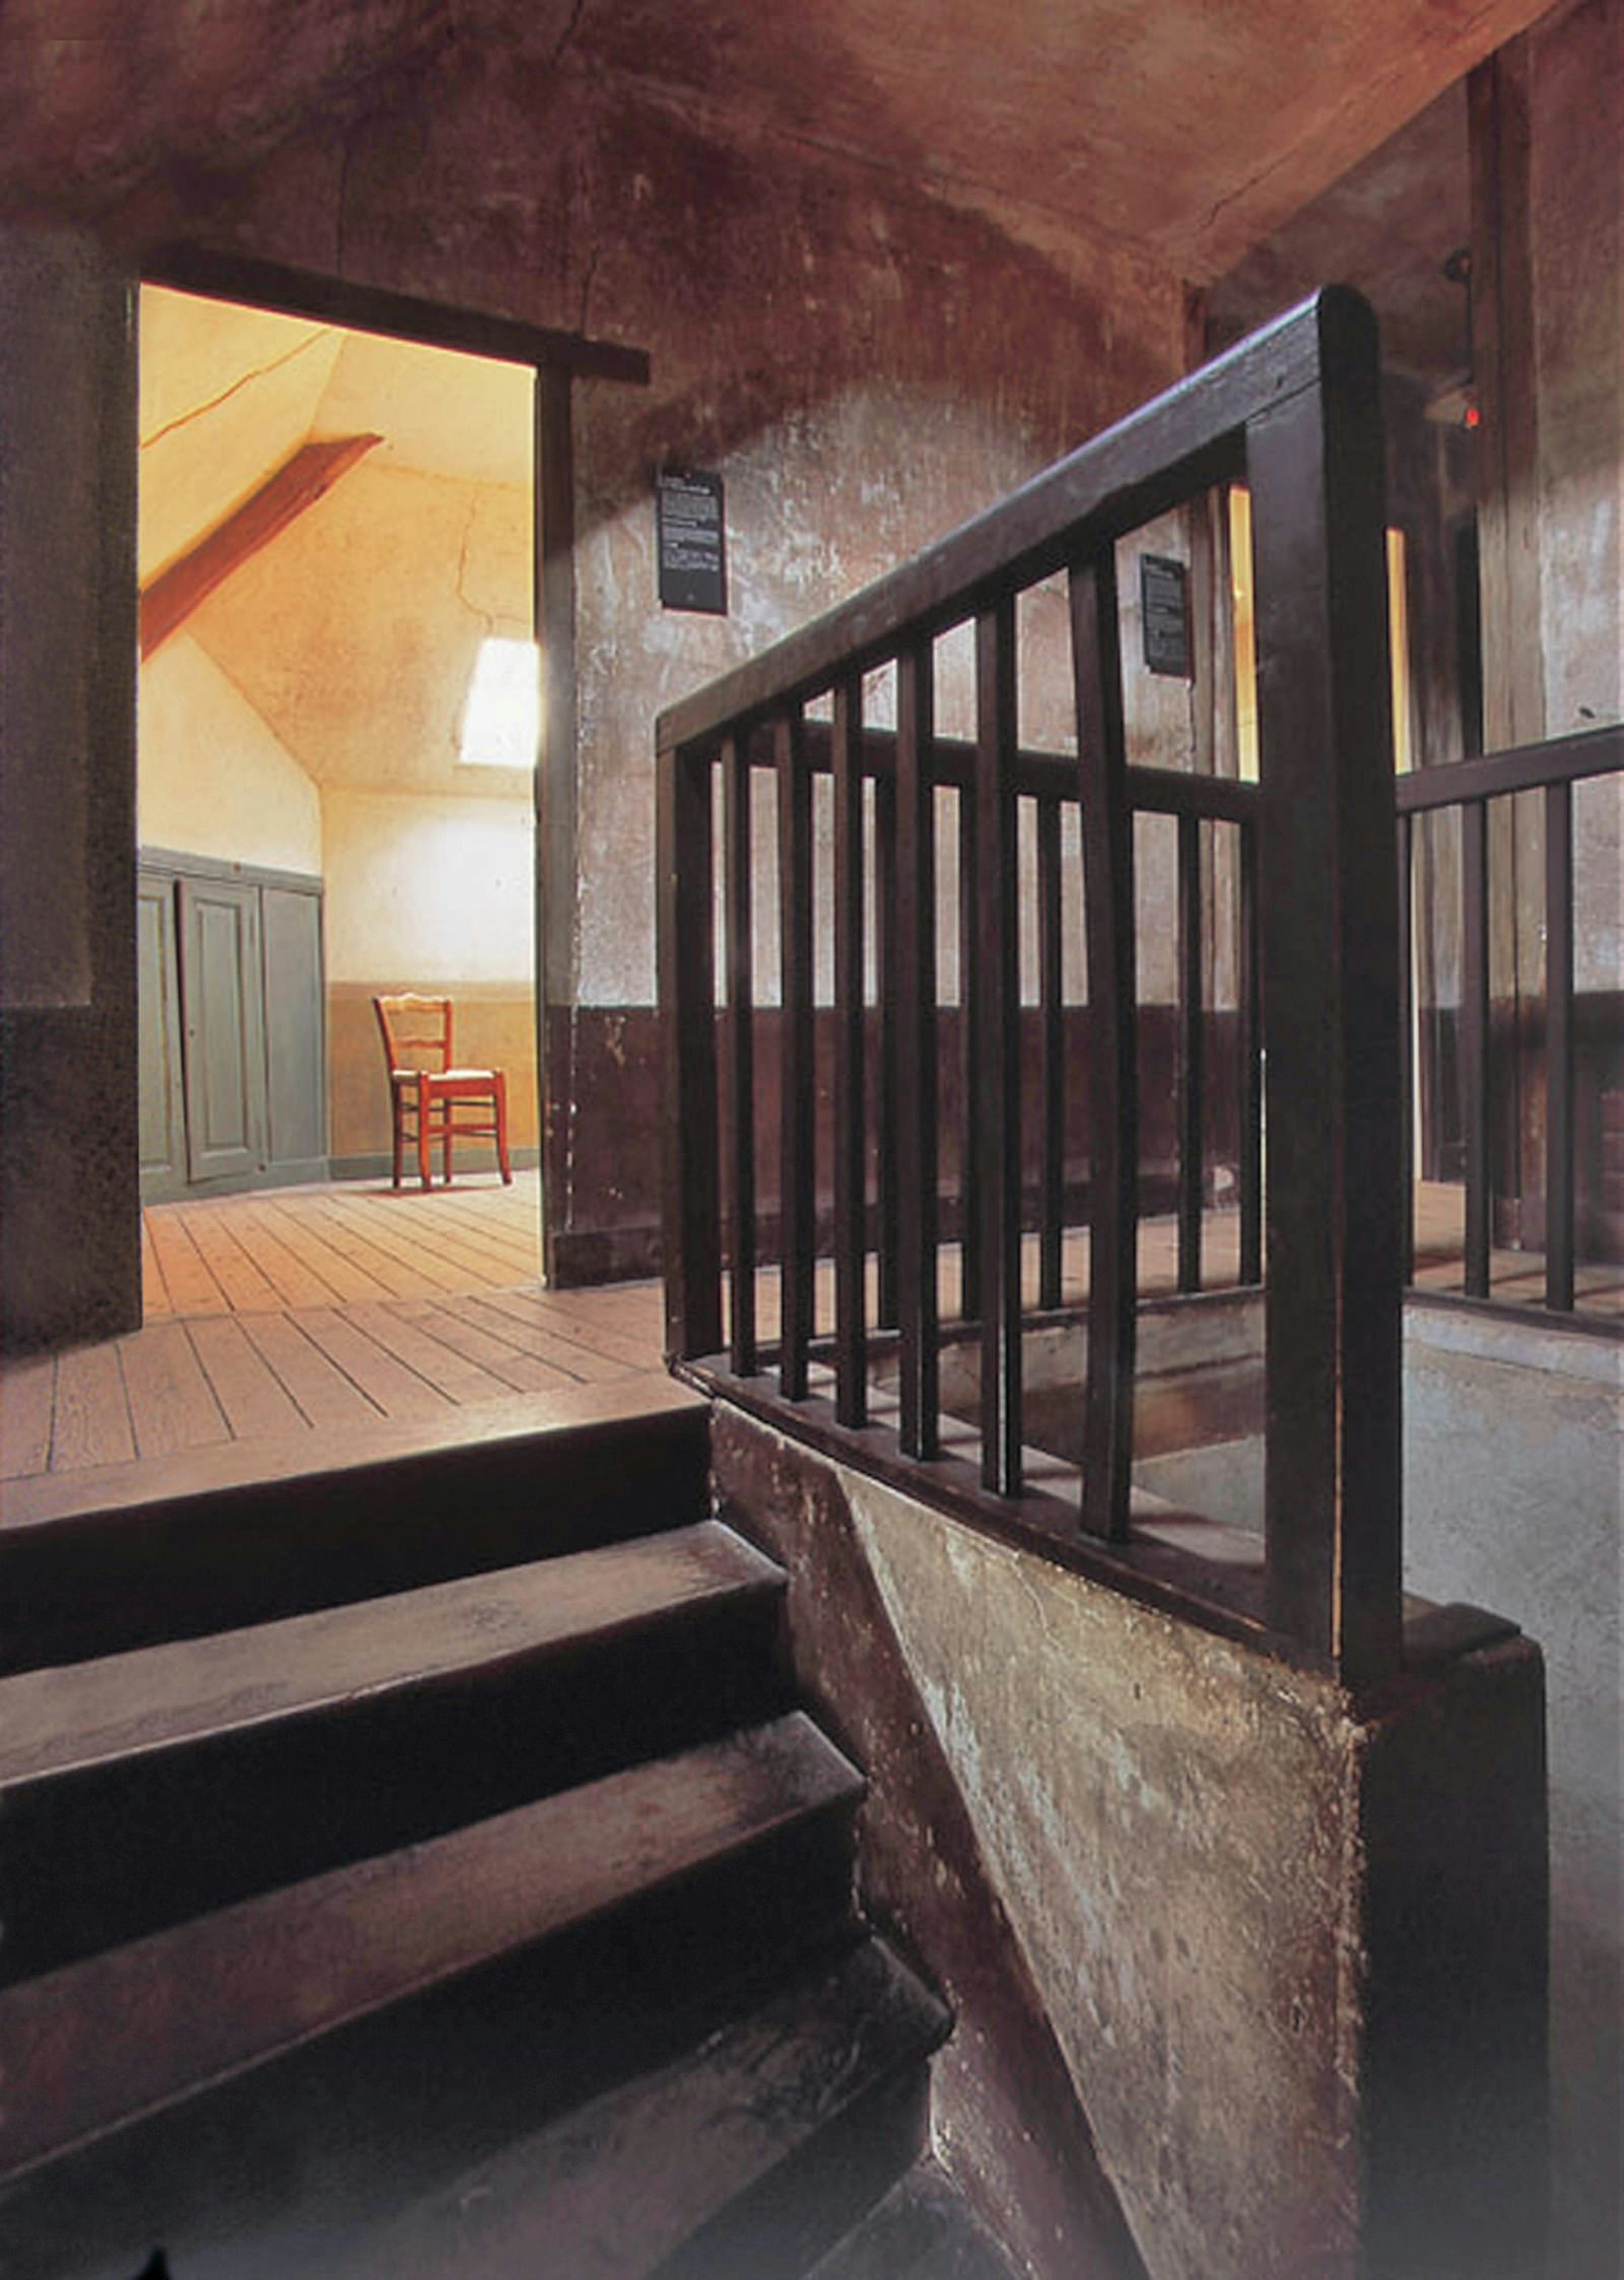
[[213, 778]]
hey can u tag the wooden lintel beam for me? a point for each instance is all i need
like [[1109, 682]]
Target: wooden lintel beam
[[313, 469], [225, 276]]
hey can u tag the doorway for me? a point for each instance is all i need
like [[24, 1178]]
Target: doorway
[[338, 726]]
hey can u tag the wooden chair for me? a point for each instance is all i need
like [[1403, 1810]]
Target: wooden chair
[[426, 1090]]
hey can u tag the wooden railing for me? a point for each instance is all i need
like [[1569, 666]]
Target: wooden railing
[[1467, 787], [1293, 412]]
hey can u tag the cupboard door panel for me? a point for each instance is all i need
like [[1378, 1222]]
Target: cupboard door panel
[[223, 1003], [296, 1052], [162, 1121]]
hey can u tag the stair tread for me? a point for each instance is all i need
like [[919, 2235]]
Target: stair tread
[[127, 2031], [52, 1720], [923, 2230], [614, 2190]]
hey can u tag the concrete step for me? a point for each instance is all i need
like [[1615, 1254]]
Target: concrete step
[[127, 2033], [145, 1788], [396, 1511]]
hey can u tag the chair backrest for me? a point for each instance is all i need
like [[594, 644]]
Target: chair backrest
[[416, 1032]]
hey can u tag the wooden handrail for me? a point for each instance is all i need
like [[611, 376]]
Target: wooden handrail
[[1297, 408]]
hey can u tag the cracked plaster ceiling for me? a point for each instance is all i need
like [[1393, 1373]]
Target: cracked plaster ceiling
[[1192, 127]]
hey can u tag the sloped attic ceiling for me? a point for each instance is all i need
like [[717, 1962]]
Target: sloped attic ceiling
[[353, 632], [228, 393], [1192, 127]]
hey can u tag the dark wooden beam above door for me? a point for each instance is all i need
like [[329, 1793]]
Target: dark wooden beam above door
[[405, 316]]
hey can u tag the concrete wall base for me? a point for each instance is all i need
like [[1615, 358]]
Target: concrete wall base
[[1250, 1977]]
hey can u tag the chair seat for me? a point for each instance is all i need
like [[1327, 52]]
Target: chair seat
[[438, 1077]]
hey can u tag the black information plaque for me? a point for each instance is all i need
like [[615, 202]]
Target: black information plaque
[[692, 556], [1164, 598]]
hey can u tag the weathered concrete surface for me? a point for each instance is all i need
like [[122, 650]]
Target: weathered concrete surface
[[69, 1228], [1199, 129], [1004, 2109], [1514, 1498], [1292, 1952], [1576, 227]]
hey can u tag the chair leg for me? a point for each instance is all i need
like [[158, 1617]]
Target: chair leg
[[423, 1133], [445, 1145], [499, 1098], [398, 1111]]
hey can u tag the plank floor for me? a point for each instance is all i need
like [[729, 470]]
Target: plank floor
[[300, 1316]]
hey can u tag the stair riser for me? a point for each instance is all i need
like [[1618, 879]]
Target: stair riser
[[74, 1589], [107, 1853], [273, 2172]]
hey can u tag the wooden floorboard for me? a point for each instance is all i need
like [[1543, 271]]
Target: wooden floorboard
[[517, 1368], [399, 1390], [595, 1360], [27, 1398], [171, 1404], [192, 1289], [403, 1265], [436, 1243], [217, 1236], [312, 1243], [155, 1301], [255, 1404], [414, 1344], [92, 1422], [507, 1319], [294, 1282], [332, 1402]]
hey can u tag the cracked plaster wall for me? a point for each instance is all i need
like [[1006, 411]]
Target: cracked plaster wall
[[866, 361]]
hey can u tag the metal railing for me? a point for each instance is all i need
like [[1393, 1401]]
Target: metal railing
[[1295, 413]]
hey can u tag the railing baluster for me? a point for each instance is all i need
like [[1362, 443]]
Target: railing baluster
[[885, 1107], [851, 1244], [737, 866], [797, 1201], [686, 919], [1559, 1047], [970, 1065], [1051, 1023], [1252, 1063], [1332, 1471], [1113, 1080], [916, 1053], [1191, 1121], [1474, 1040], [1406, 1052], [997, 1095]]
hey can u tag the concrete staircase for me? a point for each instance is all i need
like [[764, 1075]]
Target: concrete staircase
[[475, 1923]]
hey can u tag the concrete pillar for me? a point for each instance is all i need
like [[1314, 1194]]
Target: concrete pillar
[[70, 1249]]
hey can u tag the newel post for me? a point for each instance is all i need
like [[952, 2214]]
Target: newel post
[[1327, 898], [685, 938]]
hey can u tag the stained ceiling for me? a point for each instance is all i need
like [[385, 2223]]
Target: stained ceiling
[[1193, 128]]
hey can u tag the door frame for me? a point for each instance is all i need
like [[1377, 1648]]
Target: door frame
[[558, 359]]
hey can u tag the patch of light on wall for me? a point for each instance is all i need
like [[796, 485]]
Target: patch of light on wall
[[502, 714], [1245, 634]]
